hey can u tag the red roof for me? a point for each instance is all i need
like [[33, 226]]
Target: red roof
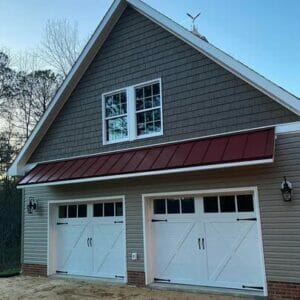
[[240, 147]]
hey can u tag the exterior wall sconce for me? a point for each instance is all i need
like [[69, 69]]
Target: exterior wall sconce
[[286, 190], [32, 205]]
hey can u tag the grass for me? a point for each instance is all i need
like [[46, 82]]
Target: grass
[[10, 272]]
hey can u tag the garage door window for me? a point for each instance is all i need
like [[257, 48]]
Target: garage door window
[[82, 211], [211, 204], [174, 206], [119, 209], [72, 211], [188, 206], [108, 209], [228, 203], [245, 203]]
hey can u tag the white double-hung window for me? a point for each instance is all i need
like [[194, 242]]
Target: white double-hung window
[[132, 113]]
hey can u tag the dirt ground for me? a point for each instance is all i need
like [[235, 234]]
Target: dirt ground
[[25, 287]]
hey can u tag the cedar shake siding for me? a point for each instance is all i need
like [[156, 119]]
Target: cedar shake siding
[[280, 220], [199, 96]]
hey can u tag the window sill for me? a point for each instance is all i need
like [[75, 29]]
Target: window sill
[[141, 137]]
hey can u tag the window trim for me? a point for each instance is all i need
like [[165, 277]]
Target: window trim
[[131, 113]]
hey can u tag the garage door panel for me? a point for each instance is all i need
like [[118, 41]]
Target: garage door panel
[[109, 255], [233, 253], [71, 240], [175, 246]]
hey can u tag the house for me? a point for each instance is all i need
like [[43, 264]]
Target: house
[[160, 161]]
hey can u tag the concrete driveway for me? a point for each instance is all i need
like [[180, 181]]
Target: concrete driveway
[[25, 287]]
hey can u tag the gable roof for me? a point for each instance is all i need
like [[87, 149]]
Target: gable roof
[[267, 87]]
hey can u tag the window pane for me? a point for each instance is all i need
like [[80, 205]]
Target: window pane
[[62, 211], [245, 203], [98, 210], [119, 209], [139, 93], [82, 212], [115, 105], [156, 90], [148, 91], [149, 122], [227, 204], [156, 100], [116, 129], [159, 206], [210, 204], [109, 210], [188, 206], [72, 211], [173, 206]]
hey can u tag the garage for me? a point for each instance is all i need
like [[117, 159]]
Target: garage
[[89, 239], [212, 239]]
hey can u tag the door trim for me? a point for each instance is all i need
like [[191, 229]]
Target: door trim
[[52, 213], [148, 261]]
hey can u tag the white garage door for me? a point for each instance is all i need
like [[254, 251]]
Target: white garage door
[[210, 241], [90, 239]]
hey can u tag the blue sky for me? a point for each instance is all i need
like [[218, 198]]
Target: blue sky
[[264, 34]]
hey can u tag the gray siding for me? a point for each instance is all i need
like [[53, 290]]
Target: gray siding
[[280, 221], [199, 96]]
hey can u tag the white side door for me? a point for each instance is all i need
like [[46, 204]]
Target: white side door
[[177, 243], [108, 240]]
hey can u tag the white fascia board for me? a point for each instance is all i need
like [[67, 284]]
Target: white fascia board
[[288, 128], [266, 86], [17, 168], [152, 173]]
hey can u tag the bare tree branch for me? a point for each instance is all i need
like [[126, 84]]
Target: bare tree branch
[[60, 45]]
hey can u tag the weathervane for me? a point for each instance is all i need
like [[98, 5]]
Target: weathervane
[[194, 29]]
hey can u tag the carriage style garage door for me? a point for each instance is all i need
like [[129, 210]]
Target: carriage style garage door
[[90, 239], [211, 241]]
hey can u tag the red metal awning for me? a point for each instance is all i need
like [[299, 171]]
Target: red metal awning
[[253, 146]]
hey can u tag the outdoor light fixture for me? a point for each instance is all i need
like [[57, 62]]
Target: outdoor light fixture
[[286, 190], [32, 205]]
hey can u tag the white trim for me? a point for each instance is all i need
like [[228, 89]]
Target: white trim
[[286, 99], [146, 232], [52, 205], [151, 173], [131, 113], [288, 128], [257, 209]]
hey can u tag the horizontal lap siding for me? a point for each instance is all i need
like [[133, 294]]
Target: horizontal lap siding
[[280, 221], [199, 96]]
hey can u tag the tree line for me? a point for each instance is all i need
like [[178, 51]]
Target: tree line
[[27, 87]]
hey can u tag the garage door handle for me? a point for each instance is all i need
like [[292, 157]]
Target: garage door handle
[[199, 244], [87, 241], [203, 245], [91, 242]]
